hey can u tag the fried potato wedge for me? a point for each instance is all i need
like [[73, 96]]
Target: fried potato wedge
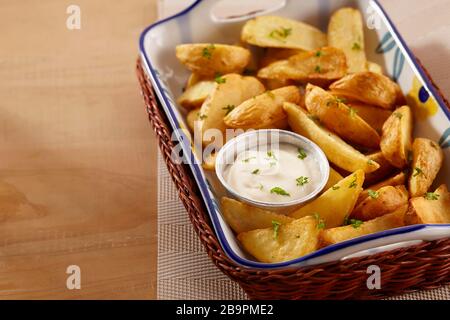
[[337, 150], [333, 179], [397, 180], [433, 208], [278, 32], [272, 55], [232, 91], [345, 31], [272, 84], [282, 242], [385, 169], [381, 202], [427, 161], [194, 96], [386, 222], [242, 217], [192, 117], [339, 118], [374, 67], [396, 138], [375, 117], [263, 111], [336, 203], [207, 59], [195, 78], [321, 66], [368, 87]]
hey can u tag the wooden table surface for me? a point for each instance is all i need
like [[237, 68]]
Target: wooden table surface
[[78, 157], [77, 166]]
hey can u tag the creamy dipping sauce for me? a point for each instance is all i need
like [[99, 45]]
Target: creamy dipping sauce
[[283, 175]]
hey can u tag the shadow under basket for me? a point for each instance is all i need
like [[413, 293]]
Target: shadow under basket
[[421, 267]]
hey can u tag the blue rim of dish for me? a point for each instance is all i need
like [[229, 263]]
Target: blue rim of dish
[[197, 171]]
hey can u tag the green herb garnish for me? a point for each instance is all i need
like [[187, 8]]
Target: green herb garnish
[[219, 79], [320, 221], [398, 115], [356, 46], [301, 153], [353, 183], [319, 53], [270, 94], [279, 191], [352, 112], [229, 108], [301, 181], [356, 223], [281, 33], [336, 188], [373, 194], [202, 116], [431, 196], [276, 226], [248, 159], [208, 51], [318, 69], [417, 171], [256, 171]]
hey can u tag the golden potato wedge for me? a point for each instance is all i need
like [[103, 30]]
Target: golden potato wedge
[[272, 55], [282, 242], [232, 91], [194, 96], [385, 169], [209, 162], [337, 151], [192, 116], [374, 116], [336, 203], [242, 217], [432, 208], [339, 118], [359, 228], [333, 179], [208, 59], [195, 78], [272, 84], [345, 31], [426, 163], [263, 111], [278, 32], [368, 87], [396, 138], [396, 180], [321, 66], [374, 67], [381, 202]]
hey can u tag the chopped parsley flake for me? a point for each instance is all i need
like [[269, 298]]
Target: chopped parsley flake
[[353, 222], [219, 79], [229, 108], [318, 69], [276, 226], [248, 159], [417, 172], [353, 184], [320, 221], [270, 94], [202, 116], [301, 181], [319, 53], [336, 188], [373, 194], [208, 51], [256, 171], [301, 154], [281, 33], [356, 46], [352, 112], [398, 115], [431, 196], [279, 191]]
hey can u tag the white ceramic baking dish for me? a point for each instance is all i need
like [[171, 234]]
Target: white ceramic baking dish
[[210, 21]]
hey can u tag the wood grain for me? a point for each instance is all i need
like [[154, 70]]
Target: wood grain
[[78, 157]]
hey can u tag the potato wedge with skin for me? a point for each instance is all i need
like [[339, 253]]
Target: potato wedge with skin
[[242, 217], [333, 179], [345, 31], [385, 169], [194, 96], [427, 161], [207, 59], [339, 118], [196, 78], [386, 222], [283, 243], [336, 203], [233, 90], [272, 84], [192, 116], [433, 208], [263, 111], [368, 87], [374, 67], [278, 32], [375, 117], [396, 138], [321, 66], [397, 180], [381, 202], [275, 54], [337, 151]]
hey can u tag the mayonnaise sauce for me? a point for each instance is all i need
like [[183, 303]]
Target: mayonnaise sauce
[[275, 176]]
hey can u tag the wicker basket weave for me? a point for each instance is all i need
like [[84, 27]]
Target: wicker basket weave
[[421, 267]]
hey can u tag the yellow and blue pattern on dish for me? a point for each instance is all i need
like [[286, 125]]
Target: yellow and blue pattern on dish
[[423, 104]]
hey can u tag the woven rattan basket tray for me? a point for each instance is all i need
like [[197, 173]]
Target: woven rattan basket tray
[[421, 267]]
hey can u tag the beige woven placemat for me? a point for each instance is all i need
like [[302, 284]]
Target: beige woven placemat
[[185, 271]]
